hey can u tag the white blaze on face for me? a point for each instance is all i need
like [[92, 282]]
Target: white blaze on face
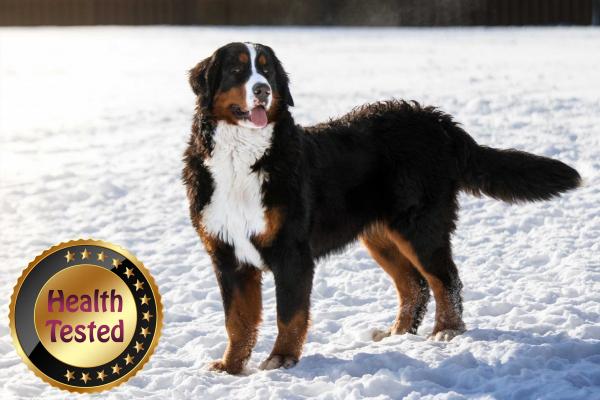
[[255, 78]]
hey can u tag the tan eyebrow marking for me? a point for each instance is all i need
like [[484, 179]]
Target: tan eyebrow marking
[[262, 60], [243, 57]]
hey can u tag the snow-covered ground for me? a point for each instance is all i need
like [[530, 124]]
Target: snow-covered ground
[[93, 122]]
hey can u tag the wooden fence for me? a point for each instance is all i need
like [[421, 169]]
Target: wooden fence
[[299, 12]]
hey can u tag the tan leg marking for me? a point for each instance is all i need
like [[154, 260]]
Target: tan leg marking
[[241, 321], [446, 316], [289, 342], [386, 253]]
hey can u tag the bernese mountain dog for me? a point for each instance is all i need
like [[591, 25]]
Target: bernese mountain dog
[[266, 194]]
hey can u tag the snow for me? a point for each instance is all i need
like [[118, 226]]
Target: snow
[[93, 123]]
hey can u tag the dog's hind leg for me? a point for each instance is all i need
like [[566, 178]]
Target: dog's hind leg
[[433, 259], [411, 287]]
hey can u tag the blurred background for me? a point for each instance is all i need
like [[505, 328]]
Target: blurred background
[[304, 12]]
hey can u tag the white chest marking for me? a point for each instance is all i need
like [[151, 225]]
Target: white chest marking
[[235, 211]]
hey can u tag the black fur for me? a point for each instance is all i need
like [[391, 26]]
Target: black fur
[[512, 175], [391, 162]]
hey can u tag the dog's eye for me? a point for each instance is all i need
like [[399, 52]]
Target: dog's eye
[[265, 71], [236, 70]]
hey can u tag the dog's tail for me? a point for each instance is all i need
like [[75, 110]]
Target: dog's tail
[[510, 175]]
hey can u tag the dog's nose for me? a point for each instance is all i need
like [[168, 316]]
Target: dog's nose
[[262, 92]]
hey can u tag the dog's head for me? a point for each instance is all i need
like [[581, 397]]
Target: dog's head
[[243, 84]]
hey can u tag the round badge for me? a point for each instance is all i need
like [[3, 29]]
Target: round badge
[[85, 315]]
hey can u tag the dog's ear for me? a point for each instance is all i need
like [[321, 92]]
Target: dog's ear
[[197, 76], [203, 79], [282, 79]]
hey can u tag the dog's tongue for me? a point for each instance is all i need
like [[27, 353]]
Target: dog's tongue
[[258, 116]]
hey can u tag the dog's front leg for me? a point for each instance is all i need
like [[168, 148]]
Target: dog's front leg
[[241, 291], [293, 272]]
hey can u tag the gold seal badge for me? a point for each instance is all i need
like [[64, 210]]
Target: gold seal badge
[[85, 315]]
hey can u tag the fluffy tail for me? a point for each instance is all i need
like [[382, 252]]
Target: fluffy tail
[[511, 175]]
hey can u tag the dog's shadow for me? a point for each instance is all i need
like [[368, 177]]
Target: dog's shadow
[[522, 365]]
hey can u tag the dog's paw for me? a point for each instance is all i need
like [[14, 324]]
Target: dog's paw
[[278, 361], [445, 335], [220, 366], [380, 334], [217, 366]]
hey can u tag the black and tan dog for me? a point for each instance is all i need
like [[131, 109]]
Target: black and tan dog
[[268, 195]]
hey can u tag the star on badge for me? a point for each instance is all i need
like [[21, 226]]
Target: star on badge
[[145, 299], [70, 256], [85, 254], [147, 316], [138, 285], [101, 375], [69, 375], [139, 346], [116, 369], [85, 377], [128, 359]]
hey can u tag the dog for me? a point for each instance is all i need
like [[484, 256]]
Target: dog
[[268, 195]]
